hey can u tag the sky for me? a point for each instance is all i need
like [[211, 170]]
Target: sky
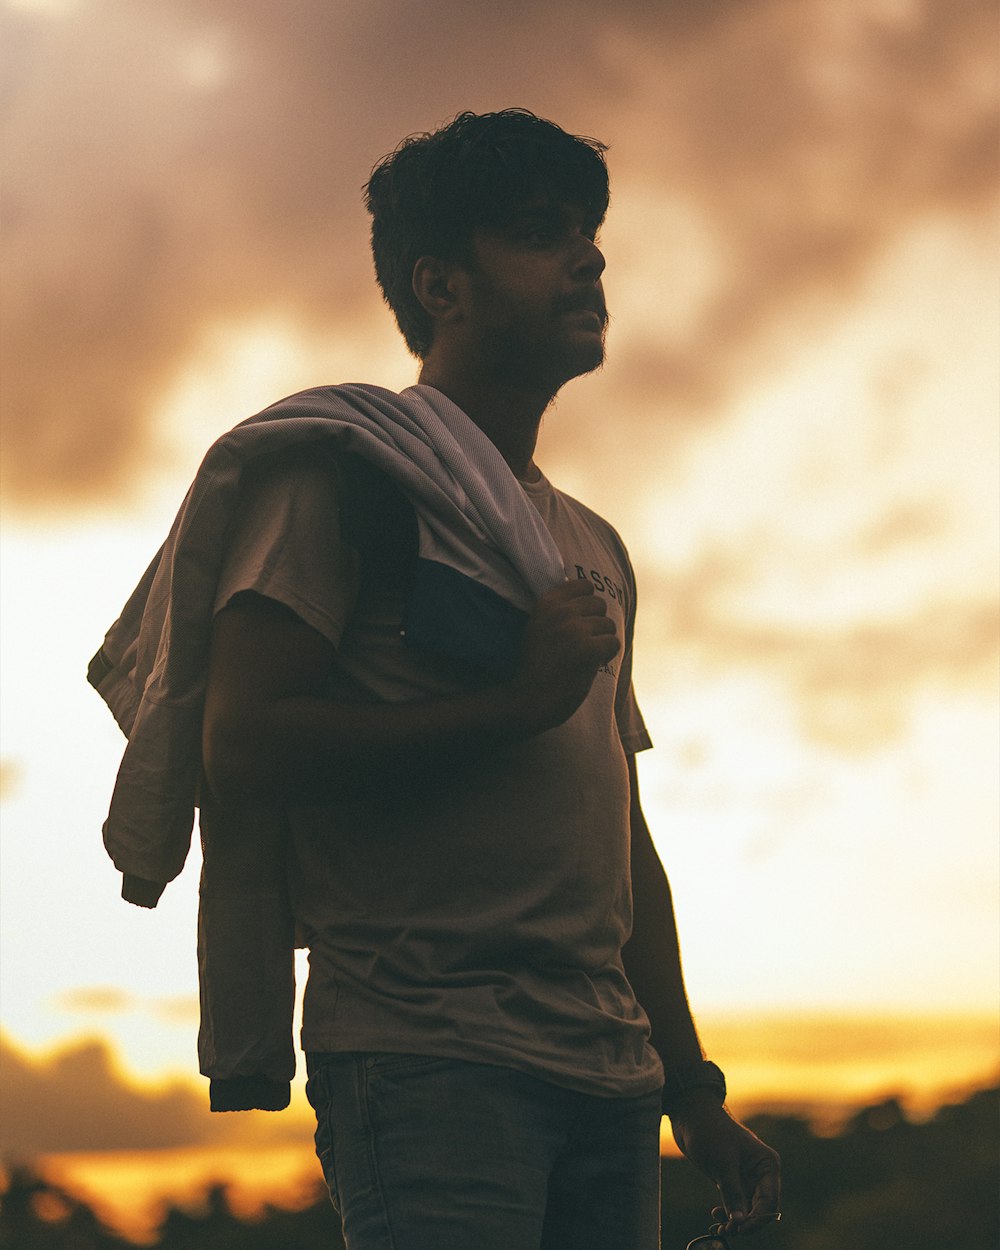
[[796, 434]]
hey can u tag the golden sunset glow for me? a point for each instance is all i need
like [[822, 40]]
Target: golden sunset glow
[[795, 433]]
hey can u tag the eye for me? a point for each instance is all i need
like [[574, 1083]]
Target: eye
[[541, 236]]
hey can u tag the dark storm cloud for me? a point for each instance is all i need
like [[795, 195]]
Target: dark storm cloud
[[173, 166]]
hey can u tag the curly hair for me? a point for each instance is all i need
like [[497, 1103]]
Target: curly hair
[[428, 196]]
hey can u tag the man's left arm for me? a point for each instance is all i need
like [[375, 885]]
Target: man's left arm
[[746, 1171]]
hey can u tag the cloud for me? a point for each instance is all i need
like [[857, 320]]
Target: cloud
[[102, 1000], [855, 689], [183, 1009], [80, 1100], [853, 682], [175, 167], [808, 132], [901, 525], [11, 776], [95, 1000]]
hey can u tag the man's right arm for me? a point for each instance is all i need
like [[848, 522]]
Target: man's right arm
[[270, 737]]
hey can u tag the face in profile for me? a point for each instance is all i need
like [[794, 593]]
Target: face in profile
[[535, 303]]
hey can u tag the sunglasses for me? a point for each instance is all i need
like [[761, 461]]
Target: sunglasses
[[716, 1241]]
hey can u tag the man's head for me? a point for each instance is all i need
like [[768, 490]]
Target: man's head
[[437, 191]]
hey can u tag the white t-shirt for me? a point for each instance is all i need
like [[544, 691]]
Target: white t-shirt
[[477, 911]]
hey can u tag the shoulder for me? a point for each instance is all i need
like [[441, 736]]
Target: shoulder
[[298, 467], [321, 476]]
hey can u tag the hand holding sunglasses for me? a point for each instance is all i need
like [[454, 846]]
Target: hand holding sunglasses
[[719, 1241]]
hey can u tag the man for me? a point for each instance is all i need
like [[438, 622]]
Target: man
[[495, 989]]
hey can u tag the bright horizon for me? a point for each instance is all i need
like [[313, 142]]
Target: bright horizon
[[795, 434]]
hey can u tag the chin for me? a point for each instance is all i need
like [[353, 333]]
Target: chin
[[586, 359], [562, 361]]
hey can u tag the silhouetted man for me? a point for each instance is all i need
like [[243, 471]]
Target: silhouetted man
[[495, 993]]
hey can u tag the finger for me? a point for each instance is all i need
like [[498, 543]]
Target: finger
[[766, 1204], [606, 650], [734, 1199], [766, 1178], [603, 625], [579, 587], [567, 592], [606, 639], [754, 1223], [593, 606]]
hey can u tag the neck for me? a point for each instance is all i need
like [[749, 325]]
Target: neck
[[509, 414]]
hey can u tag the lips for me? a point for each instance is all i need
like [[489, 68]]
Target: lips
[[586, 302]]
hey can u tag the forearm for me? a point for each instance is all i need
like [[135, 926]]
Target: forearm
[[652, 958], [746, 1172], [305, 748], [269, 737]]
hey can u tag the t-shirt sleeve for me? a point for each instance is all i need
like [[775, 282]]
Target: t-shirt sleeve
[[631, 727], [285, 543]]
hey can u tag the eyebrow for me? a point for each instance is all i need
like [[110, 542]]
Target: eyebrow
[[549, 213]]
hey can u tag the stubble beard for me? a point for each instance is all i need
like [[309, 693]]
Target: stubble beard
[[550, 364]]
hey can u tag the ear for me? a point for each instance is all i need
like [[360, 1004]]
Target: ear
[[435, 288]]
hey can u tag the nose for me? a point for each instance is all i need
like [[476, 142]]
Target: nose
[[588, 260]]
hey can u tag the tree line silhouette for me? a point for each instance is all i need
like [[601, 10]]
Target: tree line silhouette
[[884, 1182]]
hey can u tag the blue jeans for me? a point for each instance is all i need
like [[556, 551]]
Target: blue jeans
[[441, 1154]]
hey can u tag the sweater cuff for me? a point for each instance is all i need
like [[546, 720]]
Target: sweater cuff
[[140, 891], [249, 1093]]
